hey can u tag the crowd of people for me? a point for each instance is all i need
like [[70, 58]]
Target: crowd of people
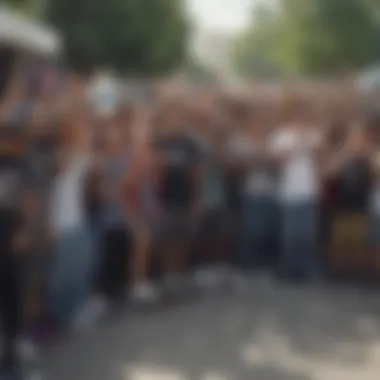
[[176, 193]]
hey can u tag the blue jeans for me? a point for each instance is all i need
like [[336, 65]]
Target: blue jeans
[[70, 277], [375, 229], [97, 229], [299, 239], [258, 230]]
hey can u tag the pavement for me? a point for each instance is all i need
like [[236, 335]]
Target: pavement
[[270, 331]]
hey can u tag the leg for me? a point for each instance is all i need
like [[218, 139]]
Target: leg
[[80, 260], [308, 231], [116, 244], [140, 260], [140, 257], [34, 287], [289, 240], [375, 243], [12, 316], [108, 280], [270, 238], [56, 282], [246, 232], [176, 248], [232, 256], [260, 224]]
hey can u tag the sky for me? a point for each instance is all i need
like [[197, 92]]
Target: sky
[[227, 15]]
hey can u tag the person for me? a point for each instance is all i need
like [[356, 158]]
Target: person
[[236, 150], [375, 212], [353, 170], [259, 202], [14, 241], [373, 124], [69, 283], [142, 210], [333, 143], [211, 234], [180, 196], [42, 131], [115, 241], [295, 146]]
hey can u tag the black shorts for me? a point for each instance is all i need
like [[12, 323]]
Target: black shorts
[[116, 245]]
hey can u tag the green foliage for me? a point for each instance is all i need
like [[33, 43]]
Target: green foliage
[[139, 36], [25, 6], [16, 3], [312, 36]]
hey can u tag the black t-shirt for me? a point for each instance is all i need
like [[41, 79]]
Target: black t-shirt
[[181, 156], [354, 185]]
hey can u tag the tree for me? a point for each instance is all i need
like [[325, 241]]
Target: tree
[[16, 3], [255, 51], [140, 36], [26, 6], [314, 36]]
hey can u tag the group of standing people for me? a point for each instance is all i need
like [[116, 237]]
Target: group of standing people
[[154, 200]]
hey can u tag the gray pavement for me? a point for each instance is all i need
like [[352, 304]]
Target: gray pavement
[[269, 332]]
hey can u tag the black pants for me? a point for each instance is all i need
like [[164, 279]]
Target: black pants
[[116, 252], [10, 300], [11, 295]]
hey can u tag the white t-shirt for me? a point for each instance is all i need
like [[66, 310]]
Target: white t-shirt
[[299, 180], [68, 196]]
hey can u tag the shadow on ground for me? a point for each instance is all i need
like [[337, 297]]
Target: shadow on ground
[[271, 332]]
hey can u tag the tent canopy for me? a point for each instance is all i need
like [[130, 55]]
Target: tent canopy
[[28, 35]]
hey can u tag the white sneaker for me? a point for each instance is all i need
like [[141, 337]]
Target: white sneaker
[[28, 351], [90, 313], [231, 278], [144, 292], [206, 278]]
